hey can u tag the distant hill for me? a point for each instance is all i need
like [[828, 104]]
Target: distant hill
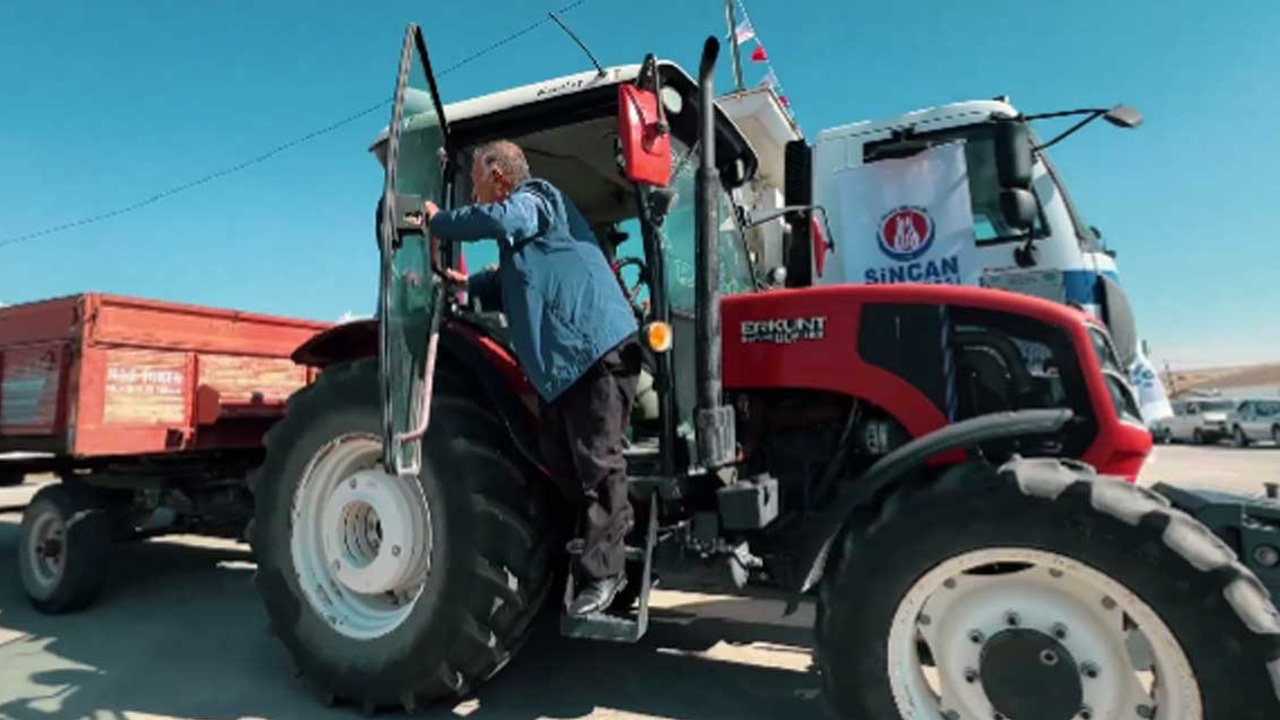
[[1225, 378]]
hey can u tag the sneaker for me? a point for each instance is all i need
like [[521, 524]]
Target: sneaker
[[598, 595]]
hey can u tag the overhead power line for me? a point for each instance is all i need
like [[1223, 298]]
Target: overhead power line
[[283, 147]]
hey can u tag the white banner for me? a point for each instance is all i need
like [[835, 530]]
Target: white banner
[[908, 220]]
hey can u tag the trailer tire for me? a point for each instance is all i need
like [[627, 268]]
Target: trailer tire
[[64, 541], [1207, 620], [493, 538]]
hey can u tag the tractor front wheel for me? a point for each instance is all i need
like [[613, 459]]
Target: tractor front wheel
[[396, 591], [1043, 590]]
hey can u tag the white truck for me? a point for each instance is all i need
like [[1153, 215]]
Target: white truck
[[917, 198]]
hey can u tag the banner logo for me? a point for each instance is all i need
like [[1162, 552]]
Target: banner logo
[[906, 232]]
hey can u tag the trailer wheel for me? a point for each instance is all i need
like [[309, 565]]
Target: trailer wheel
[[63, 543], [1043, 590], [398, 592]]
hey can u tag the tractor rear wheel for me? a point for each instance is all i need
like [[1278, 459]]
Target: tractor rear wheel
[[389, 591], [1043, 590]]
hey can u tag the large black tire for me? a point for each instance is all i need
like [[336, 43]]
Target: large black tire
[[495, 536], [1217, 610], [62, 571]]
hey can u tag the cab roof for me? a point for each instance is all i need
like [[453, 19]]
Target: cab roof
[[927, 119], [496, 113]]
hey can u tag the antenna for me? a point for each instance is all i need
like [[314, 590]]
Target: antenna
[[599, 70]]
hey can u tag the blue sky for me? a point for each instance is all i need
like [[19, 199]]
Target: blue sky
[[108, 103]]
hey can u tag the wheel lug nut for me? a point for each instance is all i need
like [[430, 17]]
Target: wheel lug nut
[[949, 583], [1108, 603], [1086, 713], [1012, 619], [976, 637], [1055, 573], [1060, 631], [1145, 711], [951, 715], [395, 551], [1089, 670], [353, 483], [970, 675]]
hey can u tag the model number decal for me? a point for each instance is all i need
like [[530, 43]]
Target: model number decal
[[784, 331]]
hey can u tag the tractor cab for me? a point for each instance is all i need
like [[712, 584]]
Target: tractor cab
[[623, 144]]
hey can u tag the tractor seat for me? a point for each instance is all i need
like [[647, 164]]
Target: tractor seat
[[646, 407]]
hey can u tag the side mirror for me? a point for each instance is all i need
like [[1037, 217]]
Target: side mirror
[[777, 277], [1018, 206], [644, 136], [1013, 154], [1123, 116]]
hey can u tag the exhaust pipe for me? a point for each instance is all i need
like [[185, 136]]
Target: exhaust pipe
[[714, 422]]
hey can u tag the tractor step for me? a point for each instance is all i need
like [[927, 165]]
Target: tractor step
[[610, 625]]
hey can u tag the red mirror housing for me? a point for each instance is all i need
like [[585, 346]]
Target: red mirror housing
[[645, 138]]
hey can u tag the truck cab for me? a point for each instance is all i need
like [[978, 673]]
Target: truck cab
[[937, 175]]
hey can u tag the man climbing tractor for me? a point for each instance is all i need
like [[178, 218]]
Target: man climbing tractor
[[948, 466], [574, 335]]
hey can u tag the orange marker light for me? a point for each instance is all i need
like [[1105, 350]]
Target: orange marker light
[[658, 336]]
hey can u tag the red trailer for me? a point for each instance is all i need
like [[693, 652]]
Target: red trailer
[[152, 414]]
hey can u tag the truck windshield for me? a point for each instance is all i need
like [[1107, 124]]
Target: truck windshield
[[1087, 239], [989, 226]]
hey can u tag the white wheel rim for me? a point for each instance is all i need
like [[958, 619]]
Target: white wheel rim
[[1139, 668], [46, 549], [360, 538]]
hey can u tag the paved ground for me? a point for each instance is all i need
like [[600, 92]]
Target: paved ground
[[179, 633]]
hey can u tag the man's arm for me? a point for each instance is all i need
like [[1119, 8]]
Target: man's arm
[[517, 218]]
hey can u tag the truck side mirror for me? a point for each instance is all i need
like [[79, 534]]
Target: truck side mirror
[[1123, 116], [1013, 154], [1018, 206], [644, 136]]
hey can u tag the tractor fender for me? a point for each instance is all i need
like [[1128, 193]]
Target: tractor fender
[[814, 545], [500, 378], [339, 343], [464, 350]]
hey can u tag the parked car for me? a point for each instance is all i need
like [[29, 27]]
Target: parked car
[[1199, 421], [1255, 420]]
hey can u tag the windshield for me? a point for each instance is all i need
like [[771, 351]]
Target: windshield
[[680, 231], [1087, 238], [989, 225], [1217, 406]]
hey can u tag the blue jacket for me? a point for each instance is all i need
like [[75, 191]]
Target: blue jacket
[[563, 303]]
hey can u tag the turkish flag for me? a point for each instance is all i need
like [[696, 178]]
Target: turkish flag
[[759, 55]]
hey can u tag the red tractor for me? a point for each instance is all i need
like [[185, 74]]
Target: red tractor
[[950, 468]]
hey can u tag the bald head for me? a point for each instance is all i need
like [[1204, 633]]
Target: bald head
[[496, 168]]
